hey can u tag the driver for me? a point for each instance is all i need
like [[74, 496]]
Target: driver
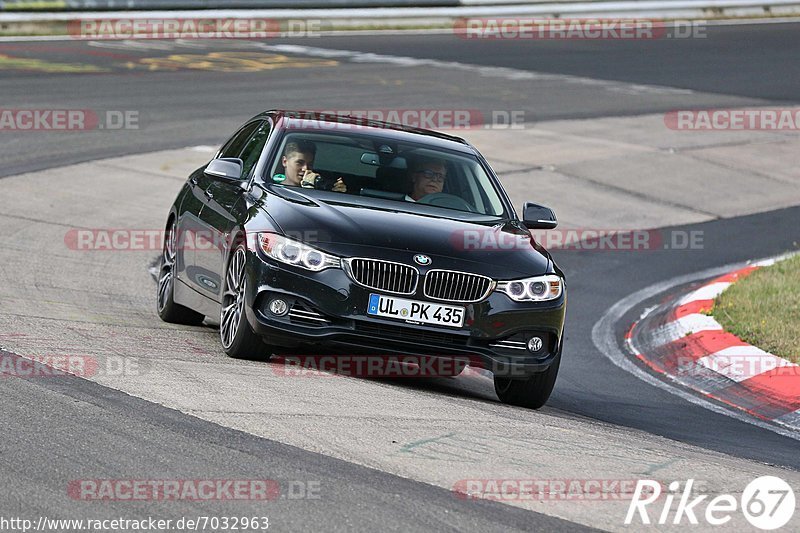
[[298, 158], [427, 177]]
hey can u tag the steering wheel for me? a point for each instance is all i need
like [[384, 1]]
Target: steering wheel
[[450, 201]]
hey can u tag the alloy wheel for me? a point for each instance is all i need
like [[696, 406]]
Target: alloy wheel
[[232, 299], [166, 272]]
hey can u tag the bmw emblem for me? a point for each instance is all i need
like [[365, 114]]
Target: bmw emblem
[[535, 344], [422, 259]]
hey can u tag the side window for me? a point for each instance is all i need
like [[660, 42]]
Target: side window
[[236, 143], [254, 147]]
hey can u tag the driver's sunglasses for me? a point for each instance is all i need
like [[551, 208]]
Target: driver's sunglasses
[[432, 176]]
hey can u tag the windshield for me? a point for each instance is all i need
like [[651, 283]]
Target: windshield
[[370, 166]]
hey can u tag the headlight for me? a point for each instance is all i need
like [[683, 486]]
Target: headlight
[[296, 253], [538, 289]]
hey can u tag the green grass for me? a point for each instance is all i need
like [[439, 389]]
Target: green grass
[[763, 309]]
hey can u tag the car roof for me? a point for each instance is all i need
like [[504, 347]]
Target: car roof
[[298, 120]]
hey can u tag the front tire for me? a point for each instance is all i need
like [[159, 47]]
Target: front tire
[[237, 337], [531, 392], [168, 310]]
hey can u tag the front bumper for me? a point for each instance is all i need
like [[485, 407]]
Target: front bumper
[[331, 312]]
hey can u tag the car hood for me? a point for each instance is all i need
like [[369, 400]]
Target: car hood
[[502, 251]]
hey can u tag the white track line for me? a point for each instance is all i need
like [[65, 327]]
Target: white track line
[[481, 70], [706, 292]]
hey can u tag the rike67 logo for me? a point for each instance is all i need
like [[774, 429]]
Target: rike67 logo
[[768, 503]]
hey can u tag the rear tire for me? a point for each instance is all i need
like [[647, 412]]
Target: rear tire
[[168, 310], [531, 392], [237, 337]]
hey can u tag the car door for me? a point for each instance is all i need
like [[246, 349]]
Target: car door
[[199, 237], [225, 208], [188, 225]]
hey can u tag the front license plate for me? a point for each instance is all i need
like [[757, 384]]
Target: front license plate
[[413, 311]]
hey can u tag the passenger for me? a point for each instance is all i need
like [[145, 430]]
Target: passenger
[[298, 158], [427, 177]]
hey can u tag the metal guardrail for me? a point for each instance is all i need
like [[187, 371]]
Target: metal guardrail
[[106, 5]]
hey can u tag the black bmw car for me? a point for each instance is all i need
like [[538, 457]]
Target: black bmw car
[[364, 237]]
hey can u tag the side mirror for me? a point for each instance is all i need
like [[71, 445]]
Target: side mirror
[[227, 168], [536, 216]]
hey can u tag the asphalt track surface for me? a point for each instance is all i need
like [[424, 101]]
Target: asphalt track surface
[[751, 61], [731, 66], [44, 421], [51, 430]]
